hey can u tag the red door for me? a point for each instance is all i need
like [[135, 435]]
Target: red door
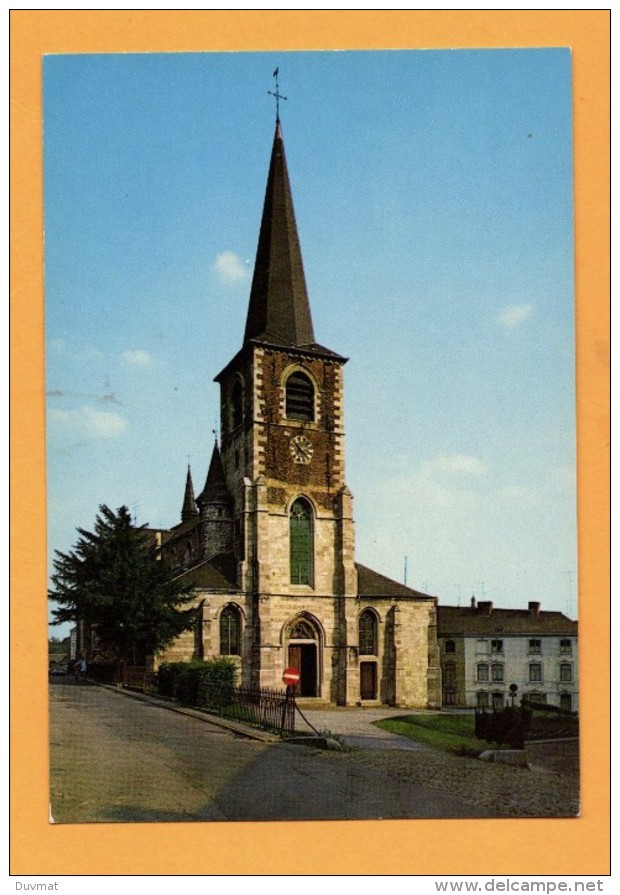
[[302, 656]]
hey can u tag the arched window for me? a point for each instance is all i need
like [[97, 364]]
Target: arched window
[[368, 633], [301, 546], [236, 398], [230, 631], [299, 397]]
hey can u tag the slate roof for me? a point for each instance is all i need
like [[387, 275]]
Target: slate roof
[[218, 573], [279, 306], [372, 584], [473, 622], [215, 489], [189, 509]]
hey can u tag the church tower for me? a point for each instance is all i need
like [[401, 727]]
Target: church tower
[[282, 447], [268, 544]]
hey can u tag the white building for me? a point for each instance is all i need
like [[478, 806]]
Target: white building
[[484, 650]]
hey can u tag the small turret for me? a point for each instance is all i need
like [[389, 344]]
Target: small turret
[[215, 507], [189, 509]]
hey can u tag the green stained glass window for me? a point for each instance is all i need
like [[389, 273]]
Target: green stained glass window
[[301, 543]]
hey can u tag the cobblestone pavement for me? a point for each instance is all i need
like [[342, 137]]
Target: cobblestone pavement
[[548, 788]]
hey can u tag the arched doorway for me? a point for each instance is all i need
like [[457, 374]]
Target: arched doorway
[[303, 652]]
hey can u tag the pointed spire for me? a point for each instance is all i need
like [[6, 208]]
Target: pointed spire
[[215, 489], [279, 309], [189, 504]]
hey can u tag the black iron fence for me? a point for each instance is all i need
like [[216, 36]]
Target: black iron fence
[[270, 709], [530, 721], [509, 726]]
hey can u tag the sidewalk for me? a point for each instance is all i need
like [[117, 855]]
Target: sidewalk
[[355, 726]]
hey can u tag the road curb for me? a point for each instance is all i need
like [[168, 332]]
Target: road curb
[[250, 733]]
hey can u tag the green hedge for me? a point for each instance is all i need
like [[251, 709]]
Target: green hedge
[[208, 685]]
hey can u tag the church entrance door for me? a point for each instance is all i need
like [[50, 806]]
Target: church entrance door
[[368, 680], [303, 657]]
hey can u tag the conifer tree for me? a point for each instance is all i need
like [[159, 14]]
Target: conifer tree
[[117, 579]]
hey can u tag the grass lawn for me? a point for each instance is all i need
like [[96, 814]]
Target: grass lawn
[[451, 733]]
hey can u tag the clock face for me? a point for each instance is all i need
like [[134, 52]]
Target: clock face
[[301, 449]]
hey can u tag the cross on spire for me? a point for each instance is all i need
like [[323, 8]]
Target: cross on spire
[[278, 96]]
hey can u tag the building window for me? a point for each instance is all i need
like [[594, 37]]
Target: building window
[[299, 397], [368, 633], [483, 672], [497, 672], [536, 696], [482, 699], [237, 404], [230, 631], [566, 702], [535, 647], [497, 646], [301, 546], [497, 701], [450, 646], [566, 646], [566, 672], [536, 672]]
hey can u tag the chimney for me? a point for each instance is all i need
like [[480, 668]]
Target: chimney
[[534, 609], [486, 606], [473, 602]]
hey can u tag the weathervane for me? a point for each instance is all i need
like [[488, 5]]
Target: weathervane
[[277, 94]]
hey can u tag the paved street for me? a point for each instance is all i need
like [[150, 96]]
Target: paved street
[[115, 758], [119, 759]]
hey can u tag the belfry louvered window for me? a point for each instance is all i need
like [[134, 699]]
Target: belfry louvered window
[[230, 631], [299, 397], [301, 546]]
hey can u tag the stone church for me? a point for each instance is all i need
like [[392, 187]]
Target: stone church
[[268, 543]]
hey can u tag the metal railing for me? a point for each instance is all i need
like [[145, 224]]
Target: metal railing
[[271, 709], [139, 678]]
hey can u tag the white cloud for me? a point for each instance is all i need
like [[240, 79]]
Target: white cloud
[[230, 269], [514, 315], [138, 358], [464, 464], [90, 422], [516, 494]]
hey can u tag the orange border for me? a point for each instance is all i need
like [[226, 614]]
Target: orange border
[[576, 846]]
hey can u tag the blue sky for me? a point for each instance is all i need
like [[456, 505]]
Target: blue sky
[[433, 195]]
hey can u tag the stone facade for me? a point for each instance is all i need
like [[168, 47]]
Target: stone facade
[[270, 548]]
